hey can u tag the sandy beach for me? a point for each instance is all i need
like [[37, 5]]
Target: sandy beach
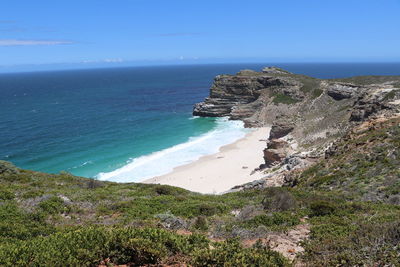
[[217, 173]]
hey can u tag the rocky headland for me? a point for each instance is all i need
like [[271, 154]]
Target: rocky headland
[[307, 115]]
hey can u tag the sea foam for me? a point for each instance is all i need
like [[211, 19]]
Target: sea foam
[[164, 161]]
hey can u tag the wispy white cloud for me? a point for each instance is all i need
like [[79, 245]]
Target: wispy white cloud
[[113, 60], [107, 60], [18, 42]]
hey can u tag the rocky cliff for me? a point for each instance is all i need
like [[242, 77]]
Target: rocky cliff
[[306, 115]]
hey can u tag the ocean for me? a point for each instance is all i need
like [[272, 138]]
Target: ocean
[[125, 124]]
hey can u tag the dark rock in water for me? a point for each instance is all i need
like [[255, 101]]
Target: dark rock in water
[[8, 168], [342, 91]]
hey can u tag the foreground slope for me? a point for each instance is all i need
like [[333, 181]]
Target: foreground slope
[[352, 215]]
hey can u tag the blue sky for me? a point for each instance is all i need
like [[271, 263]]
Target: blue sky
[[89, 32]]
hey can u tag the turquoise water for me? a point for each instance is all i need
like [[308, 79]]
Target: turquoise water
[[124, 124]]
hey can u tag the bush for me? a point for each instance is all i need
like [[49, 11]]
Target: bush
[[360, 242], [208, 209], [6, 195], [91, 245], [15, 224], [279, 199], [200, 223], [163, 190], [52, 205], [322, 208], [230, 253], [276, 219], [283, 99], [93, 184]]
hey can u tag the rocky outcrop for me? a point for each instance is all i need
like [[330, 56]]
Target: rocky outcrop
[[280, 129], [8, 168], [374, 101], [275, 152], [342, 91], [243, 95], [274, 70], [227, 92], [170, 221]]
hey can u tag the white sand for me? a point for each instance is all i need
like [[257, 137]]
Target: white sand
[[220, 172]]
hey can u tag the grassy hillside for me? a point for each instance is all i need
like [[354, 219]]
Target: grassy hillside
[[363, 165], [349, 201]]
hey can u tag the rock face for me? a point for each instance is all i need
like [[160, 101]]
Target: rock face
[[342, 91], [280, 129], [274, 70], [240, 96], [374, 101], [227, 92], [275, 152], [264, 98]]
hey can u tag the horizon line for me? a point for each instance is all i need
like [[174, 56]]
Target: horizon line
[[116, 65]]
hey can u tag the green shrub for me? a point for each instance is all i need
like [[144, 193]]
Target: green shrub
[[283, 99], [6, 194], [163, 190], [52, 205], [15, 224], [322, 208], [208, 209], [230, 253], [93, 184], [285, 219], [200, 223], [32, 194], [356, 242], [279, 199], [91, 245], [390, 95]]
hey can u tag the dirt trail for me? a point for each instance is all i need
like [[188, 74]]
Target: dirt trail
[[288, 244]]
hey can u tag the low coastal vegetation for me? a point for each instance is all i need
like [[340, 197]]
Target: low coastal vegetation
[[364, 165], [283, 99]]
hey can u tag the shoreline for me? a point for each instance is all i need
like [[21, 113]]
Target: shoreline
[[217, 173]]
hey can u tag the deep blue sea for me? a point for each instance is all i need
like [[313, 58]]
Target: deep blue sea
[[125, 124]]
